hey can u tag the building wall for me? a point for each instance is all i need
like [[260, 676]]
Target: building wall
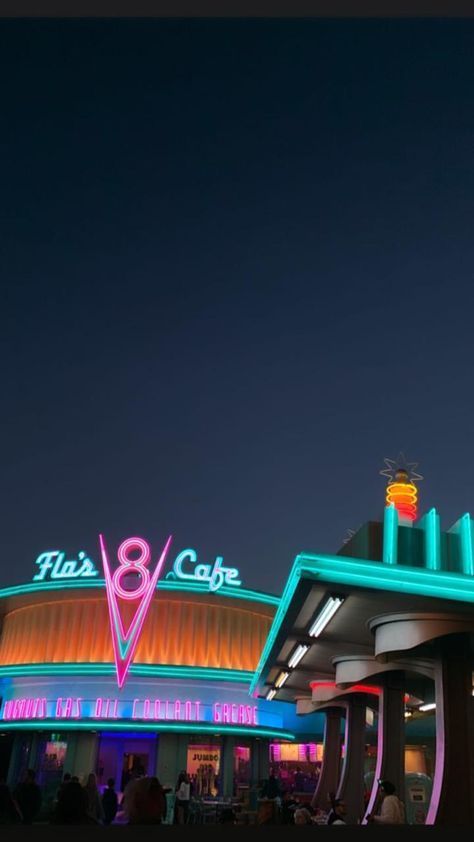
[[184, 631]]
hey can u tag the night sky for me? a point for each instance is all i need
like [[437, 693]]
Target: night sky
[[237, 272]]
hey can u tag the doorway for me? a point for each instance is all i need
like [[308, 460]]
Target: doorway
[[134, 764], [121, 755]]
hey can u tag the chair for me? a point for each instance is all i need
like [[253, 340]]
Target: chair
[[194, 812]]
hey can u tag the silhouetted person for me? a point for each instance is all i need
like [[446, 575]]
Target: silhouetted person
[[271, 787], [28, 797], [110, 802], [149, 802], [65, 781], [72, 805], [9, 810], [93, 802], [299, 780], [288, 806], [128, 796]]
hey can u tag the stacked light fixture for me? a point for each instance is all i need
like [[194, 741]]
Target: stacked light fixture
[[323, 617]]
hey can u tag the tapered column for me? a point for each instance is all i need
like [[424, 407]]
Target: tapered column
[[227, 771], [390, 738], [351, 787], [452, 800], [329, 777]]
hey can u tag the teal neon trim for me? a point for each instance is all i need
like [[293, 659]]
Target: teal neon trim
[[207, 673], [366, 574], [431, 525], [467, 545], [390, 535], [136, 725], [163, 585], [286, 598]]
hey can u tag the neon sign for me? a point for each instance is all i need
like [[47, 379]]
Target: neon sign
[[53, 565], [54, 562], [216, 575], [144, 709], [131, 581], [125, 642]]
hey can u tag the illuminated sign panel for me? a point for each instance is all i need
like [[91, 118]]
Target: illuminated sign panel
[[144, 709]]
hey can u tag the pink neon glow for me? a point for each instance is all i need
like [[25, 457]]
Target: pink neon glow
[[31, 708], [175, 709], [354, 688], [229, 714], [128, 565], [131, 638]]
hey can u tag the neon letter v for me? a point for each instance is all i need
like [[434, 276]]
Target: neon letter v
[[126, 644]]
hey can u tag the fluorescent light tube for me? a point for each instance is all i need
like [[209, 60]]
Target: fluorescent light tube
[[325, 615], [281, 679], [430, 706], [271, 694], [299, 653]]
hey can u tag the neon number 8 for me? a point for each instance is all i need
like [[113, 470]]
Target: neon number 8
[[136, 565]]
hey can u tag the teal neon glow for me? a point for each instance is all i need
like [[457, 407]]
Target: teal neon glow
[[163, 585], [54, 562], [390, 535], [365, 574], [216, 575], [208, 673], [467, 547], [431, 526], [107, 725]]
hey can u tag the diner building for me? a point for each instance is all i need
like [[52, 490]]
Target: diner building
[[69, 701], [361, 669]]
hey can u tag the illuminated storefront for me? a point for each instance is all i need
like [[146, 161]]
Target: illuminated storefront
[[135, 660], [145, 668]]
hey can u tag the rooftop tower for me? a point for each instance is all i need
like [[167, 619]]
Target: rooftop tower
[[401, 491]]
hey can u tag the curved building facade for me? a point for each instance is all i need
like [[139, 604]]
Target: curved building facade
[[85, 689]]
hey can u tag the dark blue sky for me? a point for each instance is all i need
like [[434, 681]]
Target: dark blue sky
[[237, 271]]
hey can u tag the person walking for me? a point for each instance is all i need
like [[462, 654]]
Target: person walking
[[183, 797], [110, 802], [9, 809], [28, 797], [93, 803], [149, 802], [392, 810], [71, 807]]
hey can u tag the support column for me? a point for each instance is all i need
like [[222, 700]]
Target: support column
[[329, 776], [259, 768], [390, 739], [85, 755], [227, 775], [351, 787], [452, 800], [172, 757]]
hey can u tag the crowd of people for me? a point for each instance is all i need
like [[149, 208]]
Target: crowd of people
[[390, 809], [144, 802]]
